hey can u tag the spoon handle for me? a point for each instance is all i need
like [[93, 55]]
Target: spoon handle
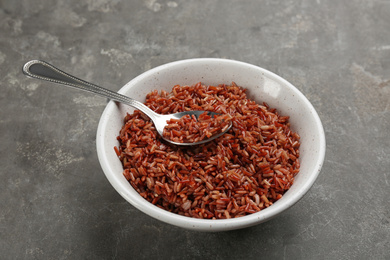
[[42, 70]]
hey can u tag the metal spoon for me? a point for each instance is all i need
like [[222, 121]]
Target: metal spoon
[[45, 71]]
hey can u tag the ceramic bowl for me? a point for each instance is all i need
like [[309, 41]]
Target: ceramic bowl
[[262, 85]]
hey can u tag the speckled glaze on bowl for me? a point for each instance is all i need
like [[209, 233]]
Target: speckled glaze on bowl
[[262, 86]]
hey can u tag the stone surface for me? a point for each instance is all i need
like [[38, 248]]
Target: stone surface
[[55, 200]]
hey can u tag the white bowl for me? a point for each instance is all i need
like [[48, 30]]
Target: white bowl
[[262, 85]]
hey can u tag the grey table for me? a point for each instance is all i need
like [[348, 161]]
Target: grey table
[[54, 198]]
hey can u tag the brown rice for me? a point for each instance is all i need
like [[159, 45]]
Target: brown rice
[[242, 172]]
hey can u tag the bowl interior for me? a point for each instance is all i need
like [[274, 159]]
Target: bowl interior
[[262, 85]]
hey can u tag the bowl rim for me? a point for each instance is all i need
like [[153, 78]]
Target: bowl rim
[[207, 224]]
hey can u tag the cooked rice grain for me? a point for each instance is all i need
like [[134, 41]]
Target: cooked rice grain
[[242, 172]]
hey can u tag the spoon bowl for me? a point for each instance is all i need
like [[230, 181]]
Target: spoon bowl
[[44, 71]]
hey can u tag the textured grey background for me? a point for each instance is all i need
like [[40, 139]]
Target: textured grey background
[[55, 200]]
